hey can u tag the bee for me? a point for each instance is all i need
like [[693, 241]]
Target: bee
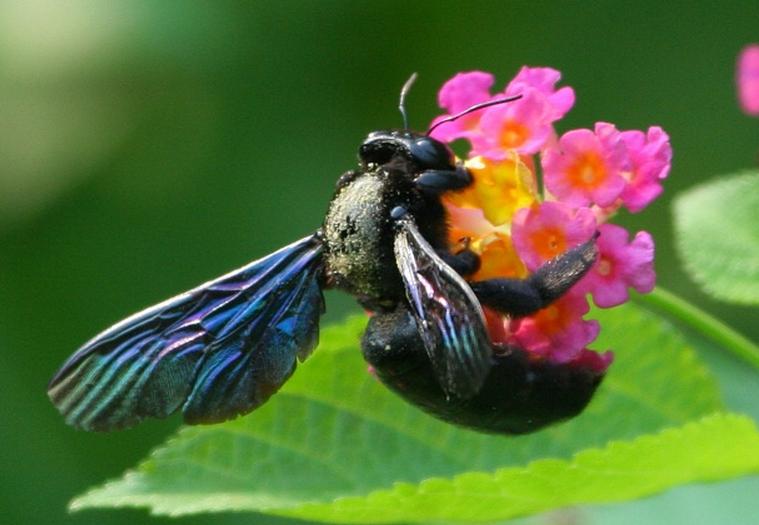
[[223, 348]]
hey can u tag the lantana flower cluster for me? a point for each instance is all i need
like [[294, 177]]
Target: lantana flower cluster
[[536, 194]]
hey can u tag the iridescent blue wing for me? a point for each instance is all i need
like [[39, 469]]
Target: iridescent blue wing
[[217, 351], [448, 316]]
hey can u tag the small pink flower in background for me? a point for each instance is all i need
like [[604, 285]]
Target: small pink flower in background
[[650, 157], [557, 332], [543, 80], [523, 126], [620, 265], [586, 166], [459, 93], [543, 232], [747, 79]]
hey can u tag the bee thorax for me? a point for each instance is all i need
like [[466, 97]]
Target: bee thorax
[[358, 235]]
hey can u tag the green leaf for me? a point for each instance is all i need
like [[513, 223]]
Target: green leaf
[[718, 236], [335, 445], [708, 328], [713, 448]]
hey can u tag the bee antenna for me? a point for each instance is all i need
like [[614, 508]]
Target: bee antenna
[[402, 104], [472, 109]]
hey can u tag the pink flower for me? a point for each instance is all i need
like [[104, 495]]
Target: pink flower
[[747, 79], [543, 80], [593, 360], [557, 332], [459, 93], [523, 126], [531, 129], [465, 90], [620, 265], [541, 233], [586, 167], [587, 175], [650, 157]]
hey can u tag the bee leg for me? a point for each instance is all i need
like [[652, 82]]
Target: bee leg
[[465, 262], [395, 350], [518, 297], [392, 345], [438, 181]]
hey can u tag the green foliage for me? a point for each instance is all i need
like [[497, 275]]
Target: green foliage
[[334, 445], [718, 236]]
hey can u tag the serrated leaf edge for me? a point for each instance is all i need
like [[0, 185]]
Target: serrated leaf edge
[[224, 502]]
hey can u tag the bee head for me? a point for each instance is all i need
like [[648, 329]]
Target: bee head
[[421, 151]]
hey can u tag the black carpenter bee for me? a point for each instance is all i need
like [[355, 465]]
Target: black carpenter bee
[[222, 349]]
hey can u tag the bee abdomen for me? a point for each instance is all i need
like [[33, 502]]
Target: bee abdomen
[[520, 395]]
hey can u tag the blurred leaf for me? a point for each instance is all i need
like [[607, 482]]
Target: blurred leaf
[[718, 236], [334, 432]]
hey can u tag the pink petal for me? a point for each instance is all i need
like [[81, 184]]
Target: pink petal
[[465, 90], [577, 226], [650, 159], [606, 194], [541, 78], [747, 79], [623, 265], [574, 146], [598, 363], [612, 293], [640, 273], [457, 94], [544, 79], [529, 112]]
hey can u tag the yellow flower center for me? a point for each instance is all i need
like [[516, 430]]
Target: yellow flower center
[[513, 134], [604, 267], [549, 242], [553, 319], [588, 172], [500, 188], [482, 213], [497, 258], [551, 313]]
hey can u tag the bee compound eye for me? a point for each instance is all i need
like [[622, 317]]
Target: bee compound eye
[[432, 154], [398, 213]]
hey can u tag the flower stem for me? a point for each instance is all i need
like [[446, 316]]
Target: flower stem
[[702, 322]]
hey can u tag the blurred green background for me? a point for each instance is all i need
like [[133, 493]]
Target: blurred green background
[[148, 146]]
